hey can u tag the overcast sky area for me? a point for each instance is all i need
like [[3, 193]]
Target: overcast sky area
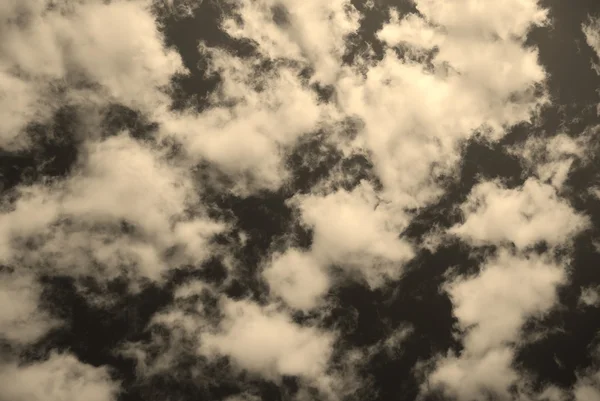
[[299, 200]]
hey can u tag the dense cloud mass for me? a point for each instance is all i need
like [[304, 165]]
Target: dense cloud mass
[[299, 200]]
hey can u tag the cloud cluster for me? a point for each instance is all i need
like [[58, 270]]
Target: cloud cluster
[[441, 79], [491, 309], [89, 52], [312, 32], [60, 377], [256, 116], [268, 342], [552, 159], [522, 216], [419, 109], [129, 209], [71, 225], [515, 285]]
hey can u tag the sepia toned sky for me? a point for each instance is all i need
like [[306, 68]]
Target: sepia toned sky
[[285, 200]]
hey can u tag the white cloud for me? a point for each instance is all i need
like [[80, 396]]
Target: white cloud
[[551, 159], [497, 301], [587, 392], [491, 309], [524, 216], [78, 221], [591, 30], [590, 296], [587, 386], [416, 117], [248, 130], [21, 319], [507, 18], [414, 120], [470, 379], [265, 341], [61, 377], [311, 31], [351, 230], [298, 278], [93, 52]]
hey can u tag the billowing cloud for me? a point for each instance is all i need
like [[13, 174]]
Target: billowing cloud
[[79, 221], [21, 319], [89, 52], [551, 159], [257, 115], [418, 110], [424, 86], [496, 302], [312, 32], [491, 309], [268, 342], [523, 216], [298, 278], [60, 377]]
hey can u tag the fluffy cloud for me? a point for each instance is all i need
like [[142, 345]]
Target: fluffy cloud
[[89, 52], [61, 377], [496, 302], [256, 116], [587, 388], [419, 109], [452, 70], [551, 159], [491, 309], [506, 19], [72, 224], [312, 32], [268, 342], [21, 320], [355, 231], [469, 379], [523, 216], [298, 278], [590, 296]]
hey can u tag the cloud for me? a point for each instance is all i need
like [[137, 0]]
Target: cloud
[[587, 388], [88, 52], [354, 231], [491, 309], [523, 216], [298, 278], [590, 296], [587, 385], [499, 299], [312, 32], [265, 341], [507, 19], [470, 379], [257, 115], [22, 321], [71, 225], [591, 30], [128, 208], [60, 377], [551, 159], [450, 83]]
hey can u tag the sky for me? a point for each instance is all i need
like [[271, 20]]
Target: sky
[[282, 200]]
